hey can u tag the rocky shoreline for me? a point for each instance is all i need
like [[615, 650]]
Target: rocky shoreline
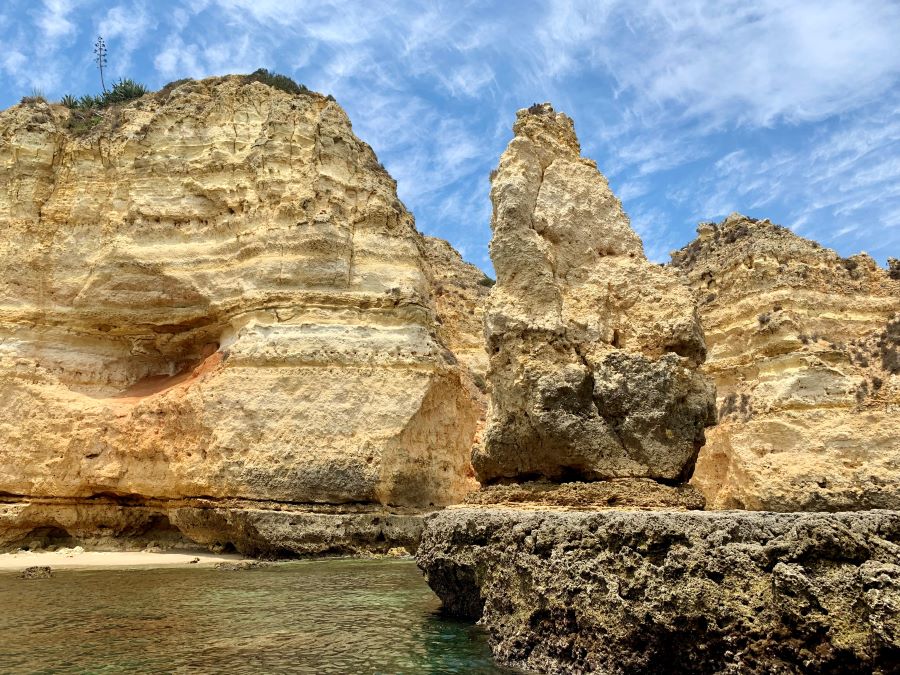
[[602, 559], [662, 592], [224, 329]]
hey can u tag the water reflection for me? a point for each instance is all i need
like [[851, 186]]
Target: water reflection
[[324, 616]]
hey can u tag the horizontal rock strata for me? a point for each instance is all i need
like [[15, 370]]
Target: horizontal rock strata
[[628, 493], [215, 293], [804, 347], [250, 528], [692, 592], [593, 349], [459, 292]]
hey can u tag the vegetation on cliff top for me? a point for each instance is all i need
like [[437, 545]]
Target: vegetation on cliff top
[[88, 110], [122, 91], [282, 82]]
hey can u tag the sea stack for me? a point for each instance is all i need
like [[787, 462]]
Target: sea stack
[[594, 351], [595, 358]]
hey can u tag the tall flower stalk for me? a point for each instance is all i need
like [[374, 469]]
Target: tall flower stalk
[[100, 59]]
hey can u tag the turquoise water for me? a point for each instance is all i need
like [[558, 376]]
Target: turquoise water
[[320, 616]]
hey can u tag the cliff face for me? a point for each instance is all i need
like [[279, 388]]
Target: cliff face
[[217, 293], [596, 375], [459, 293], [593, 349], [804, 347]]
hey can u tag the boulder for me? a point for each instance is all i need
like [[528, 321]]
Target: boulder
[[37, 572]]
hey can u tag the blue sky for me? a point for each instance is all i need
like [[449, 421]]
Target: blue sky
[[782, 109]]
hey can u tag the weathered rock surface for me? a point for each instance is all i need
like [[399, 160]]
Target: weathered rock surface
[[241, 565], [619, 493], [692, 592], [37, 572], [804, 347], [216, 293], [459, 292], [593, 350], [253, 529]]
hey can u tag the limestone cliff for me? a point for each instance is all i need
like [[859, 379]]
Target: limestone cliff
[[216, 293], [593, 349], [804, 347]]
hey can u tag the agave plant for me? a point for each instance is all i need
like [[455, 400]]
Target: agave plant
[[88, 101], [124, 90]]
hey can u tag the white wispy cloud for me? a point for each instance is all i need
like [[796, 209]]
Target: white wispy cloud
[[129, 26], [733, 61], [53, 19], [781, 108]]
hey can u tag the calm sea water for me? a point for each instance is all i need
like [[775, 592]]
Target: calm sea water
[[320, 616]]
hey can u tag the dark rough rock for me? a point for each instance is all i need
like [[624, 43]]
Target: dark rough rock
[[631, 493], [624, 416], [290, 533], [894, 268], [37, 572], [674, 592], [241, 565]]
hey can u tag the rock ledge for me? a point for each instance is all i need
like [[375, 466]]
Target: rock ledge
[[690, 592]]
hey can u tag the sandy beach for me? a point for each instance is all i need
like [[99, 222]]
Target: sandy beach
[[76, 559]]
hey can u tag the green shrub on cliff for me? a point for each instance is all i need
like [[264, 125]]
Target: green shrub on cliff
[[87, 110], [282, 82], [122, 91], [37, 96]]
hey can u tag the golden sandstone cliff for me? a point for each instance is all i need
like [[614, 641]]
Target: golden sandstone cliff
[[213, 308], [217, 294], [219, 325], [804, 347]]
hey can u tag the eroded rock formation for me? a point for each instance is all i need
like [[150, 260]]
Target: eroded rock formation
[[216, 293], [804, 347], [460, 291], [248, 527], [693, 592], [595, 372], [593, 349]]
